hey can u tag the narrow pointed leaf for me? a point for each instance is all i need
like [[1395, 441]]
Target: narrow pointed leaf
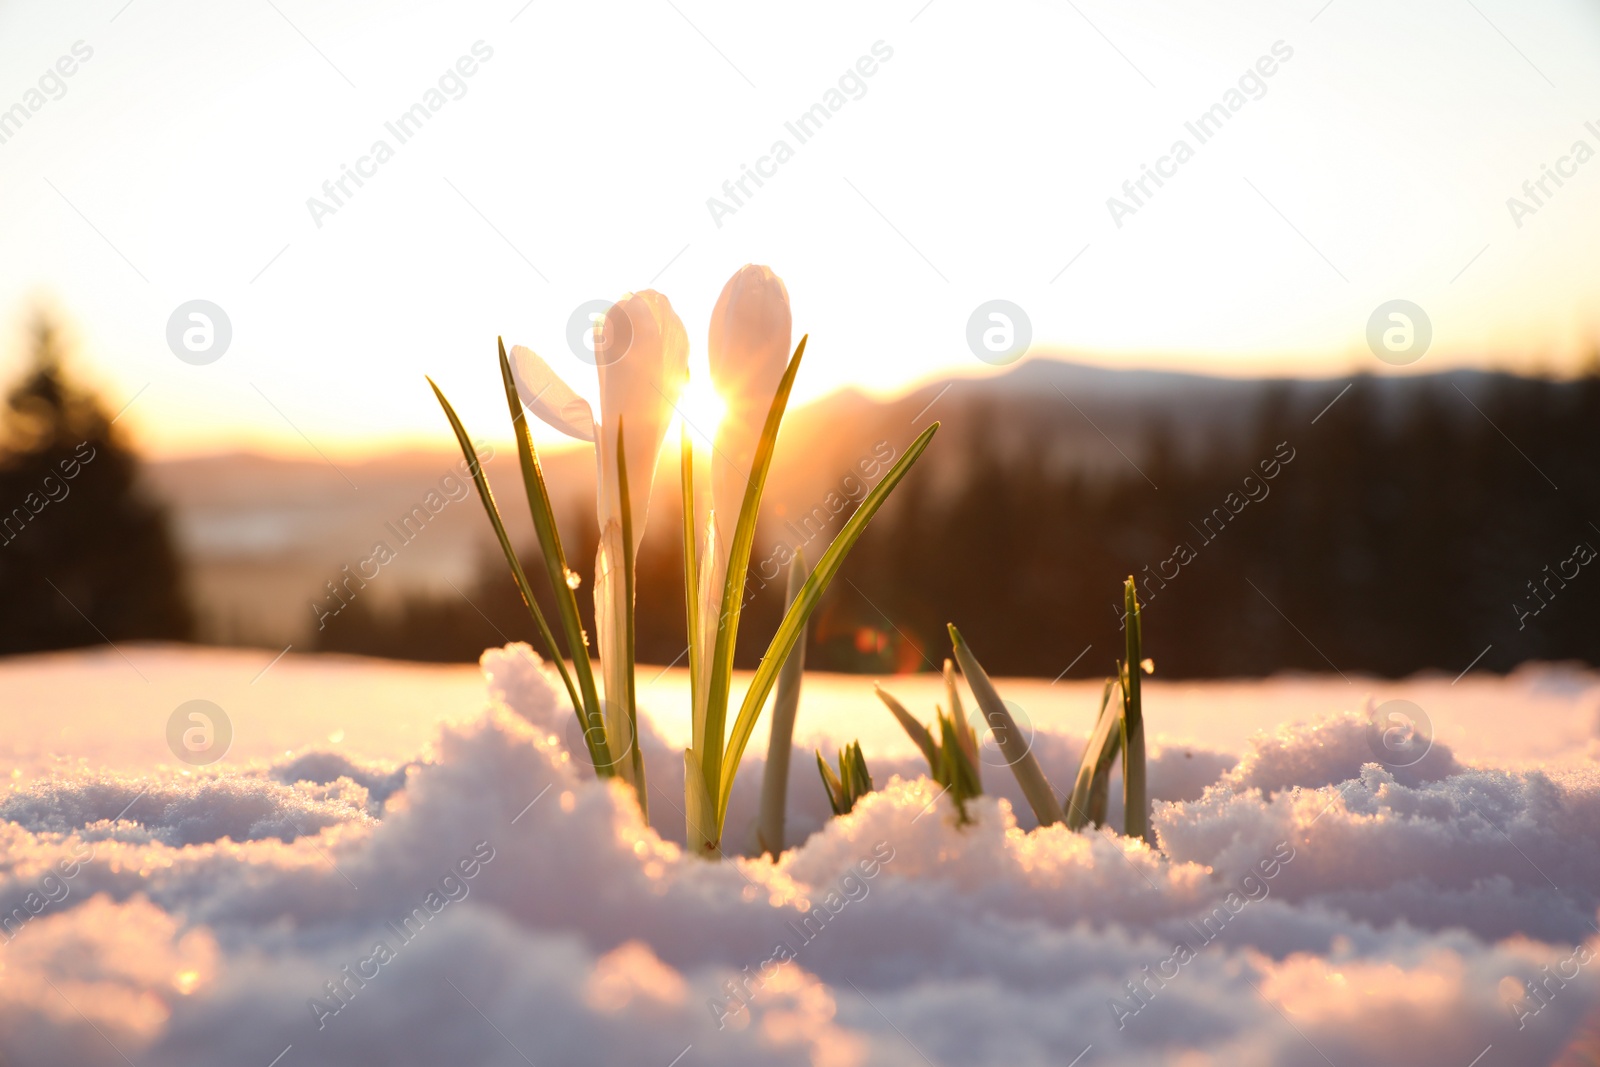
[[862, 784], [946, 775], [555, 564], [831, 783], [517, 573], [955, 772], [795, 619], [733, 586], [1095, 752], [1099, 802], [775, 775], [918, 732], [963, 771], [635, 753], [964, 733], [705, 638], [691, 581], [1135, 803], [1019, 757]]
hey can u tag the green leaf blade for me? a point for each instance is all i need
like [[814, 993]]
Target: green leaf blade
[[691, 579], [915, 730], [635, 749], [799, 613], [1098, 751], [1018, 755], [733, 583], [1135, 803], [555, 560], [770, 819], [486, 495]]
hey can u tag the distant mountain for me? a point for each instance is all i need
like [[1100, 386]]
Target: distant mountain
[[264, 536]]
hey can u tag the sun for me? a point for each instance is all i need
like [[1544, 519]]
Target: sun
[[701, 407]]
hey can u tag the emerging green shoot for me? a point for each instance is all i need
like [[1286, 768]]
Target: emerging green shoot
[[952, 764], [1135, 802], [775, 779], [914, 729], [1090, 792], [957, 771], [958, 718], [1119, 729], [851, 783], [1014, 746]]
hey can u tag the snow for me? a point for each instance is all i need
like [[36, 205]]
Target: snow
[[1308, 905]]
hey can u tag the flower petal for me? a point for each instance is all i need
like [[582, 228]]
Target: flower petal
[[751, 330], [641, 387], [549, 398]]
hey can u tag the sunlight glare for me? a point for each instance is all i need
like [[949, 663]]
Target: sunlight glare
[[701, 407]]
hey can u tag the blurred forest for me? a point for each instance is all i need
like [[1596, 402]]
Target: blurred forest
[[1355, 538], [1387, 532], [86, 554]]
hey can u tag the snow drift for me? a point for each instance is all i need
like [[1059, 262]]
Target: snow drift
[[486, 901]]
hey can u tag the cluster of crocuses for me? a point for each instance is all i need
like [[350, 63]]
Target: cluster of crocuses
[[641, 352]]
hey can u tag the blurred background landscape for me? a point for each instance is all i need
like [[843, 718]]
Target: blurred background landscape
[[1187, 336], [1386, 525]]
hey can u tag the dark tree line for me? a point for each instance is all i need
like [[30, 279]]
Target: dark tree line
[[1402, 529], [86, 554], [1403, 534]]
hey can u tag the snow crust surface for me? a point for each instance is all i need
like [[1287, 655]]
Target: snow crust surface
[[485, 901]]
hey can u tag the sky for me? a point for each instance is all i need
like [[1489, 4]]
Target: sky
[[968, 155]]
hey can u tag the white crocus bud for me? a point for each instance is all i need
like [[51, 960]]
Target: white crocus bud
[[642, 354], [748, 352], [644, 363], [751, 331], [643, 370]]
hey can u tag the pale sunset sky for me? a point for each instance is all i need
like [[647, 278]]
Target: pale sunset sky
[[968, 154]]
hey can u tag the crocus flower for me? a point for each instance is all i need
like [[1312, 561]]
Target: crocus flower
[[749, 348], [643, 357], [639, 387], [748, 351]]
